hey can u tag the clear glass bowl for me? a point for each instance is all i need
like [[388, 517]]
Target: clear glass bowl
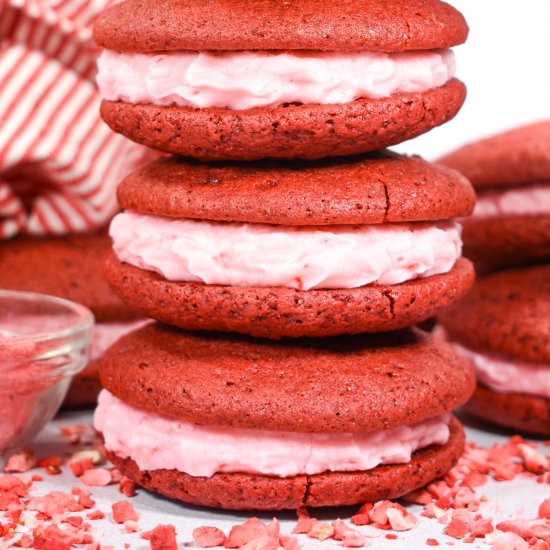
[[44, 342]]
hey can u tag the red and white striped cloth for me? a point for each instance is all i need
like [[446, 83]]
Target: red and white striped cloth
[[59, 163]]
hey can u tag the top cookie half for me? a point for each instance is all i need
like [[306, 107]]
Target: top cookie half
[[283, 79]]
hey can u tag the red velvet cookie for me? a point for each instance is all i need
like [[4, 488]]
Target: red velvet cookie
[[72, 268], [511, 174], [234, 120], [503, 326], [269, 250], [367, 384]]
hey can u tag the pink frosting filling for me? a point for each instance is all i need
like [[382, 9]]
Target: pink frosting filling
[[155, 442], [504, 375], [259, 255], [516, 201], [243, 80], [106, 334]]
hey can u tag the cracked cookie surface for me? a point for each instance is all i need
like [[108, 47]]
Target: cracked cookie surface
[[381, 187]]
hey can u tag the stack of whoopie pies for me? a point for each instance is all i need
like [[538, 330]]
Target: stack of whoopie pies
[[284, 372], [503, 325]]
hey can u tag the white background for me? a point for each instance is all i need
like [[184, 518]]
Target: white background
[[505, 65]]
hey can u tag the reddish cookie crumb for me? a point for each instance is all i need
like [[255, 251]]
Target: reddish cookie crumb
[[339, 528], [432, 542], [240, 534], [208, 537], [456, 529], [78, 467], [304, 525], [98, 477], [361, 519], [533, 460], [321, 531], [22, 461], [353, 539], [544, 509], [289, 543], [163, 537], [124, 511], [391, 536], [262, 543], [52, 464]]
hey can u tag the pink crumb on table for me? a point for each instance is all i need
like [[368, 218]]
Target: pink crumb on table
[[124, 511], [97, 477], [245, 532], [353, 539], [20, 462], [163, 537], [208, 537]]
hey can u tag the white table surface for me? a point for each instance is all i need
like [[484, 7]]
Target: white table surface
[[511, 499]]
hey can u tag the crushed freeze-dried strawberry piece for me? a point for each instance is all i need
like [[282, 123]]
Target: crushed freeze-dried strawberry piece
[[533, 460], [527, 528], [304, 525], [366, 508], [75, 521], [87, 454], [361, 519], [481, 526], [379, 515], [444, 503], [83, 497], [400, 519], [456, 529], [289, 543], [23, 461], [391, 515], [8, 500], [353, 539], [339, 528], [163, 537], [12, 484], [432, 542], [262, 543], [52, 464], [321, 531], [124, 511], [53, 503], [508, 541], [274, 528], [544, 509], [95, 514], [79, 467], [241, 534], [131, 526], [208, 537], [466, 498], [391, 536], [98, 477], [474, 479], [127, 487]]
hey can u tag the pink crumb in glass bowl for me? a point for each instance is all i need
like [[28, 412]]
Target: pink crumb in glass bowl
[[44, 342]]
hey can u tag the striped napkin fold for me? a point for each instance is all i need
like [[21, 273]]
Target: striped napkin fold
[[59, 163]]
